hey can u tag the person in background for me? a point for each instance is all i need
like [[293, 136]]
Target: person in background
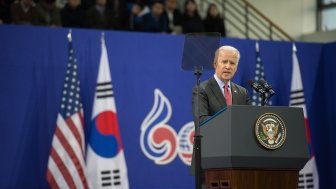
[[174, 17], [5, 12], [219, 91], [155, 21], [72, 15], [99, 16], [213, 21], [120, 14], [191, 20], [136, 17], [48, 13], [24, 12]]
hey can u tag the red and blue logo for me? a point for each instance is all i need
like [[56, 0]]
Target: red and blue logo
[[159, 141]]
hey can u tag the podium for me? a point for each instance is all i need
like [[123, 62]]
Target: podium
[[254, 147]]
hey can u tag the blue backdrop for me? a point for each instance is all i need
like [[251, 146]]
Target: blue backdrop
[[32, 69]]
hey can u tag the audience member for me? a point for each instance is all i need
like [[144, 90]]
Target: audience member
[[191, 20], [120, 14], [213, 21], [136, 22], [5, 15], [155, 21], [173, 16], [61, 3], [99, 16], [48, 13], [72, 15], [24, 12]]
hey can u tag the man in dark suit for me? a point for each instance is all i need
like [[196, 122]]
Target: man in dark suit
[[218, 92]]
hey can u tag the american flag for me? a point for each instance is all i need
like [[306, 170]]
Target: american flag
[[66, 166], [259, 74], [308, 177]]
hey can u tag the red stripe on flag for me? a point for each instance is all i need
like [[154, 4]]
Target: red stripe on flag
[[52, 182], [63, 169], [80, 114], [308, 131], [309, 139], [72, 155], [75, 132]]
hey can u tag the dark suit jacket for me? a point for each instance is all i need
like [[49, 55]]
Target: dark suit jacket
[[211, 99]]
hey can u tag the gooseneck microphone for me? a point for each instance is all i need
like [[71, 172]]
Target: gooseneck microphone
[[263, 88], [257, 87], [267, 87]]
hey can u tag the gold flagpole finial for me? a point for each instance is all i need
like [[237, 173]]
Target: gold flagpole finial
[[294, 47], [69, 36], [257, 46]]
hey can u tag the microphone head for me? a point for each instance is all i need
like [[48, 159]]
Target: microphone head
[[256, 86], [262, 81], [250, 82], [267, 87]]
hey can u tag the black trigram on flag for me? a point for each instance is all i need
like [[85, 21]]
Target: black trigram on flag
[[104, 90], [306, 181], [110, 178], [297, 98]]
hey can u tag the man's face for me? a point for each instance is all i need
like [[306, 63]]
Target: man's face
[[74, 3], [171, 4], [226, 65], [157, 9], [28, 2], [101, 2], [214, 11]]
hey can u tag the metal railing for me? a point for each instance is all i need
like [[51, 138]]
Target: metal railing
[[244, 20]]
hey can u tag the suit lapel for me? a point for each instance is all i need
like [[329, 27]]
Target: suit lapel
[[237, 95], [217, 91], [234, 93]]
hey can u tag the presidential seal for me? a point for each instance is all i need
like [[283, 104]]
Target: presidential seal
[[270, 131]]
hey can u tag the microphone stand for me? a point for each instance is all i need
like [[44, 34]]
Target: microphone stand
[[198, 136], [269, 92], [263, 99], [263, 89], [266, 96]]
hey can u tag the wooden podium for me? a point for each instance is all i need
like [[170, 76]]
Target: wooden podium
[[234, 158]]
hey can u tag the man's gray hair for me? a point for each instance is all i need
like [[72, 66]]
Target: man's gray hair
[[227, 48]]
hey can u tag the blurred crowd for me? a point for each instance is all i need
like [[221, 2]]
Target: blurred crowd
[[160, 16]]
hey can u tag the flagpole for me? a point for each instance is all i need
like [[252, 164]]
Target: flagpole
[[294, 48], [102, 37], [69, 36]]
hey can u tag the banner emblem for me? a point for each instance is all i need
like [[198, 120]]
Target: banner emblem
[[270, 131], [159, 141]]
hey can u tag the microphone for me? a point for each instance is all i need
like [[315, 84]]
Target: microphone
[[257, 87], [267, 87]]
